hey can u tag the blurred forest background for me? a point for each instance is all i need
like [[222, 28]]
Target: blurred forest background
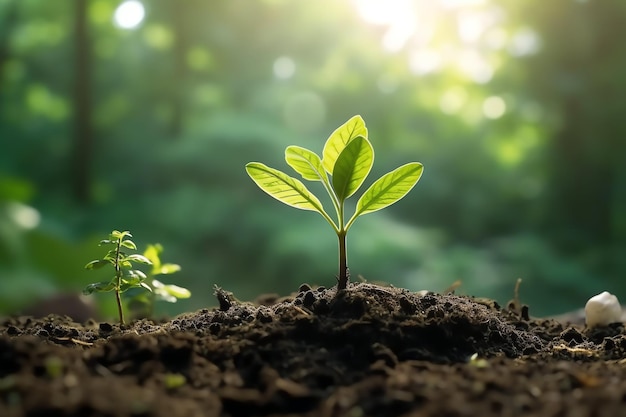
[[140, 115]]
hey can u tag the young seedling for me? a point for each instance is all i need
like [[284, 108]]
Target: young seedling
[[160, 291], [346, 161], [125, 276]]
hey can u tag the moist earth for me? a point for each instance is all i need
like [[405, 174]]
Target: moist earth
[[368, 350]]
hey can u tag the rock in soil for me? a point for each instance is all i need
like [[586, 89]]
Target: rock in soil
[[365, 351]]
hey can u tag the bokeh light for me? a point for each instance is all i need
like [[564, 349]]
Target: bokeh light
[[129, 14]]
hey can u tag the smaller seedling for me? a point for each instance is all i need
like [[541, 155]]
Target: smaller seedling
[[348, 157], [125, 276], [160, 291]]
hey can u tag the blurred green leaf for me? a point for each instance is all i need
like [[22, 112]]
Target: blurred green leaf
[[99, 287], [167, 269], [135, 257], [97, 264], [129, 244], [176, 291]]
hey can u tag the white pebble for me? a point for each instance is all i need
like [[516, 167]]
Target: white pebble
[[602, 310]]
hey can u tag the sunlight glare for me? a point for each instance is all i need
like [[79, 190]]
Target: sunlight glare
[[494, 107], [453, 100], [475, 66], [129, 14], [398, 15], [524, 42], [456, 4], [284, 68], [424, 61]]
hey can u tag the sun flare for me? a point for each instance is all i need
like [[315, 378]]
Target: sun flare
[[437, 34]]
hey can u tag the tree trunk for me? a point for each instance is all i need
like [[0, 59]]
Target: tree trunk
[[83, 135]]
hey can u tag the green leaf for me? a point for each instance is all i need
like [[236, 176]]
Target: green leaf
[[135, 257], [127, 285], [306, 163], [388, 189], [129, 244], [340, 138], [97, 264], [152, 252], [117, 235], [99, 287], [352, 167], [106, 242], [283, 188], [145, 286], [167, 269], [176, 291], [135, 274]]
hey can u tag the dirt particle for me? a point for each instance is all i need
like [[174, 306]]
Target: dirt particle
[[106, 327], [406, 306], [309, 299], [572, 335], [214, 328]]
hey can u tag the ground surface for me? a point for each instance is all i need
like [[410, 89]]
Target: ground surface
[[367, 351]]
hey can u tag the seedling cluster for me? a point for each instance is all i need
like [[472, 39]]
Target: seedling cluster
[[346, 161], [126, 277]]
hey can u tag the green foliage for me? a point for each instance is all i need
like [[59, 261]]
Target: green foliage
[[348, 159], [125, 276], [159, 291]]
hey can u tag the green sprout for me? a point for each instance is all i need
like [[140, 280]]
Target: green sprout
[[125, 276], [348, 157], [160, 291]]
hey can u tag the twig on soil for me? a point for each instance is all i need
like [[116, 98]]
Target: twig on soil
[[76, 341]]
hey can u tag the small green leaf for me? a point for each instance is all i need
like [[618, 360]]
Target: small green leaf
[[106, 242], [97, 264], [135, 274], [352, 167], [388, 189], [129, 244], [138, 258], [99, 287], [167, 269], [145, 286], [306, 163], [117, 235], [283, 188], [152, 252], [340, 138], [176, 291]]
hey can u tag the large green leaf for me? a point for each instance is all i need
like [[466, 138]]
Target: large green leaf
[[306, 163], [352, 167], [283, 188], [388, 189], [338, 140]]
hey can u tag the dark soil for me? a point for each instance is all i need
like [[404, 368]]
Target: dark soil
[[365, 351]]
